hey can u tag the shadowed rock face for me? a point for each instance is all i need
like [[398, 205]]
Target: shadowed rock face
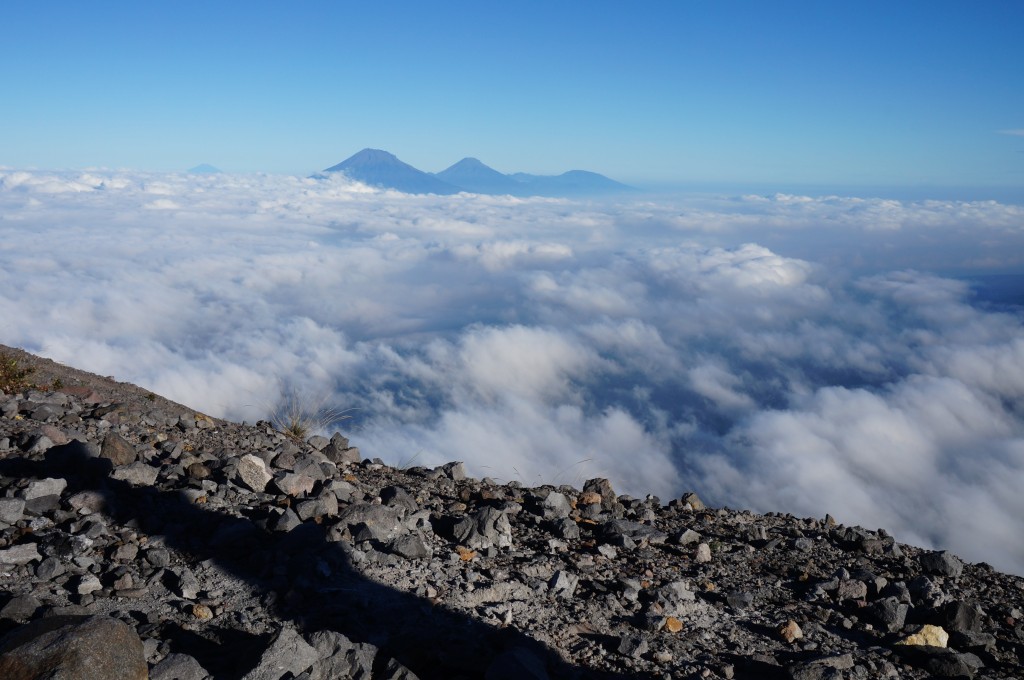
[[337, 567], [73, 647]]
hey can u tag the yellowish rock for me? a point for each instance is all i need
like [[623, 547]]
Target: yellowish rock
[[202, 612], [465, 554], [673, 625], [790, 631], [932, 636]]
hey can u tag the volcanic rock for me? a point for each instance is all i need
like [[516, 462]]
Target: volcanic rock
[[73, 648], [327, 565]]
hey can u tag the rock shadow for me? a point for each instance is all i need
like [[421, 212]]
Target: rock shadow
[[303, 578]]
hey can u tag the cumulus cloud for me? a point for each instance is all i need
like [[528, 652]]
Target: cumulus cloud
[[784, 353]]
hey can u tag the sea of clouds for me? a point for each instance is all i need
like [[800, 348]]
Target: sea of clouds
[[780, 353]]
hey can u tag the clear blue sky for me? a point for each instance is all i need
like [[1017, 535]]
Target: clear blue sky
[[817, 92]]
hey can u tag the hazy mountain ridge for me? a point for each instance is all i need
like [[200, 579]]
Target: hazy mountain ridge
[[383, 169]]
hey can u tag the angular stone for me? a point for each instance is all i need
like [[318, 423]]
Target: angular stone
[[201, 612], [20, 554], [158, 557], [703, 553], [198, 470], [311, 465], [39, 443], [633, 646], [928, 635], [371, 522], [740, 600], [410, 546], [850, 589], [485, 528], [940, 662], [294, 485], [44, 487], [567, 529], [964, 617], [563, 583], [252, 472], [87, 502], [556, 505], [455, 471], [186, 584], [287, 653], [42, 505], [690, 499], [339, 657], [125, 553], [397, 497], [178, 667], [55, 435], [790, 631], [325, 505], [117, 450], [88, 584], [21, 608], [602, 487], [888, 613], [617, 531], [11, 510], [688, 537], [942, 563], [136, 474], [339, 452], [318, 442], [49, 569], [349, 456], [73, 648], [286, 521]]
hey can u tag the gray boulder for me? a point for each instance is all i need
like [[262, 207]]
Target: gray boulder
[[73, 648], [483, 529], [288, 653]]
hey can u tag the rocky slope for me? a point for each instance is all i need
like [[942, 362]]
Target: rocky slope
[[152, 540]]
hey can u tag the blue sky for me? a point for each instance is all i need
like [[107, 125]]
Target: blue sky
[[854, 94]]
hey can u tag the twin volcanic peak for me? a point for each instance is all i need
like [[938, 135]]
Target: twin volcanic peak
[[382, 169]]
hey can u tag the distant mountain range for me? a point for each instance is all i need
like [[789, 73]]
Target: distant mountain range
[[382, 169]]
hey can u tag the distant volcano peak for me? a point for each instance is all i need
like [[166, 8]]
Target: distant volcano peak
[[382, 169], [379, 168]]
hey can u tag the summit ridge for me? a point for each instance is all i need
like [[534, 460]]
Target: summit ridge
[[383, 169]]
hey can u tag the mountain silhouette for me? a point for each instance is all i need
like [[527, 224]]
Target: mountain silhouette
[[571, 183], [472, 175], [381, 169]]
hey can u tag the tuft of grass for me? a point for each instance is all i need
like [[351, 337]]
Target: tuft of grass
[[13, 376], [300, 418]]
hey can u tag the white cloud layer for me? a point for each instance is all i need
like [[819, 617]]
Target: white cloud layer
[[782, 353]]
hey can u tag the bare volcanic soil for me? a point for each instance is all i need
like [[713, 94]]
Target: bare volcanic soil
[[139, 538]]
